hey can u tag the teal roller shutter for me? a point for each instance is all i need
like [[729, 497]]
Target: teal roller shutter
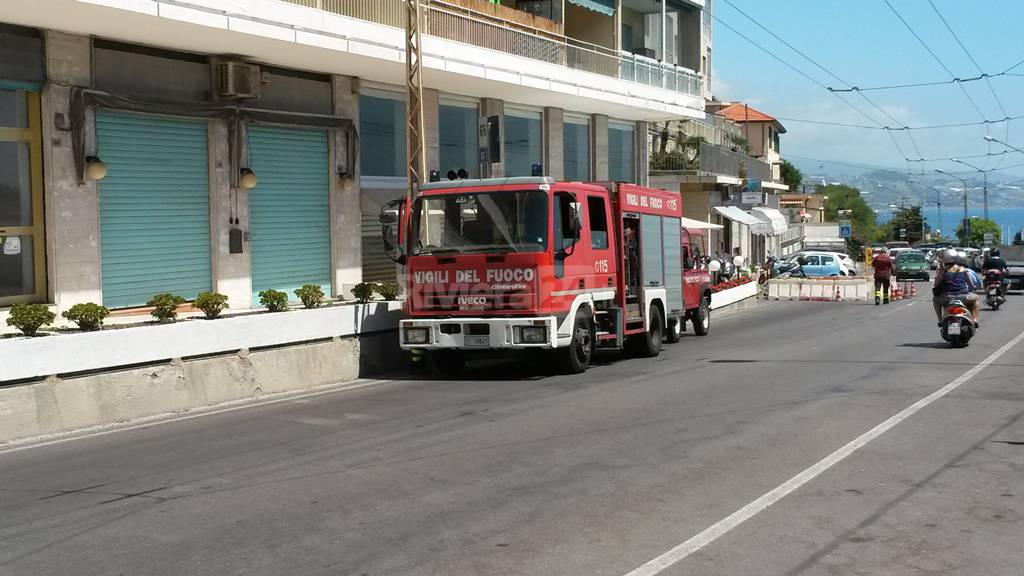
[[154, 208], [289, 210]]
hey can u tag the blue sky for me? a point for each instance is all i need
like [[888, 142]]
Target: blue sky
[[865, 44]]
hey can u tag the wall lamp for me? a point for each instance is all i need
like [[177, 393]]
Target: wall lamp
[[247, 179], [95, 169]]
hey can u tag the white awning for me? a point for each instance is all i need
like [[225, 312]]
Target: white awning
[[776, 221], [737, 215], [697, 224]]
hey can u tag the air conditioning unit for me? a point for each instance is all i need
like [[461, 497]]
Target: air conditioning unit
[[238, 80]]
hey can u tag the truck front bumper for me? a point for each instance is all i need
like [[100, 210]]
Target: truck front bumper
[[478, 333]]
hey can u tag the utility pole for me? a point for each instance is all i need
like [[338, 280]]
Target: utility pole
[[414, 91], [966, 222]]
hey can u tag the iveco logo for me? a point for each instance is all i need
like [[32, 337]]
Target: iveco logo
[[472, 301]]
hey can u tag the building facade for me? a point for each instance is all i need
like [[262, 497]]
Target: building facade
[[140, 153]]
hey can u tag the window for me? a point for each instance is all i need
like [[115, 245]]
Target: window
[[481, 222], [597, 211], [22, 270], [621, 152], [457, 135], [827, 261], [382, 134], [576, 148], [522, 142], [566, 208]]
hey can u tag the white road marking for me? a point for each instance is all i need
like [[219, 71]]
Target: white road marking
[[724, 526], [243, 404]]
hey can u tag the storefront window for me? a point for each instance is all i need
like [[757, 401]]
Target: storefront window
[[21, 222], [523, 137], [457, 133], [576, 149], [382, 135], [621, 152]]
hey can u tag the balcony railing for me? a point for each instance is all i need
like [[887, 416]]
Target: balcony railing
[[710, 159], [456, 22]]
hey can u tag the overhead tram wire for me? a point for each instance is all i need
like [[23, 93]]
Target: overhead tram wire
[[828, 72], [935, 56], [924, 127]]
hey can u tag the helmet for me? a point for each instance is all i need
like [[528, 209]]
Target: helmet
[[995, 253], [949, 256]]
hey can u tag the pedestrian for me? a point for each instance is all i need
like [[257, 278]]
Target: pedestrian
[[882, 265]]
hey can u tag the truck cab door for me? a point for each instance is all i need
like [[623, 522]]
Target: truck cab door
[[568, 234], [393, 228]]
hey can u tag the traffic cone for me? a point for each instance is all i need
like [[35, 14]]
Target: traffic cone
[[913, 290], [895, 290], [839, 293]]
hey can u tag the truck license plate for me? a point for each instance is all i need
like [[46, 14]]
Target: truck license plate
[[953, 329], [478, 340]]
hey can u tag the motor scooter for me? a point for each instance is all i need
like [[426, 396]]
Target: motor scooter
[[995, 289], [957, 326]]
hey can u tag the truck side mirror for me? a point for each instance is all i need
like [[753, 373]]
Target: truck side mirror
[[392, 219]]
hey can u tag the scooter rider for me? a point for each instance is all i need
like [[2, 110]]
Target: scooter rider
[[995, 262], [954, 281]]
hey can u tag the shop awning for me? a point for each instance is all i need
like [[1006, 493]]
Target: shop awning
[[699, 225], [735, 214], [777, 223], [606, 7]]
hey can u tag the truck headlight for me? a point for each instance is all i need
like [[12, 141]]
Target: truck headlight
[[417, 335], [533, 335]]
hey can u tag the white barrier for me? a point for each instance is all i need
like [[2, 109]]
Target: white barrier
[[820, 289]]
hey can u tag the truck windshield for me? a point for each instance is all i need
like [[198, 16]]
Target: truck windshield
[[481, 222]]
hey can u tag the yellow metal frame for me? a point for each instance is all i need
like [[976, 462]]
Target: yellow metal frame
[[33, 136]]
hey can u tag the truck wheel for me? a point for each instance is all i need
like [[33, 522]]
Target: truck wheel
[[674, 330], [576, 358], [649, 345], [701, 318], [448, 363]]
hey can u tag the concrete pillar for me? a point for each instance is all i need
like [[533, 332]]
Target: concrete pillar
[[431, 129], [72, 211], [642, 153], [493, 107], [554, 143], [599, 146], [232, 273], [346, 214]]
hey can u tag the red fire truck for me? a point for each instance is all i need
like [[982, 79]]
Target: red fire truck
[[531, 263]]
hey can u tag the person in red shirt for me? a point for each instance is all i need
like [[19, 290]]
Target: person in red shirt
[[882, 265]]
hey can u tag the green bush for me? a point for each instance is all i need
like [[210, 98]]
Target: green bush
[[388, 290], [274, 300], [88, 316], [165, 306], [311, 295], [211, 303], [30, 317], [364, 291]]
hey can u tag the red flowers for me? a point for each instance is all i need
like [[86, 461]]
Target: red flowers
[[735, 282]]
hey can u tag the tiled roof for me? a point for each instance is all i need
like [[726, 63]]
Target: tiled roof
[[741, 113]]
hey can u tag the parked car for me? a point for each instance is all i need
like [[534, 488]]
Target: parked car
[[847, 267], [911, 265], [818, 264]]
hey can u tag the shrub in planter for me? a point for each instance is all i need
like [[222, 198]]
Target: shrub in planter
[[274, 300], [311, 295], [211, 303], [364, 291], [165, 306], [388, 290], [88, 316], [30, 317]]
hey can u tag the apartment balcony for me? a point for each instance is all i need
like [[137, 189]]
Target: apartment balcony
[[709, 159], [503, 29], [471, 47]]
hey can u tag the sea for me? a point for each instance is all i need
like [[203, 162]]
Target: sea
[[1010, 220]]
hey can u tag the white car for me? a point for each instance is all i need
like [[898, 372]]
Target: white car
[[846, 265]]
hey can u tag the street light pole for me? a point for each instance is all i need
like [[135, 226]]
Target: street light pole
[[984, 174], [964, 182]]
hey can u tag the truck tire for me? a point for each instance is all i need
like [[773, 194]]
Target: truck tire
[[448, 363], [576, 357], [674, 330], [649, 345], [701, 317]]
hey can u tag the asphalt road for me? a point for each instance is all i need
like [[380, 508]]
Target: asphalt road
[[511, 471]]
